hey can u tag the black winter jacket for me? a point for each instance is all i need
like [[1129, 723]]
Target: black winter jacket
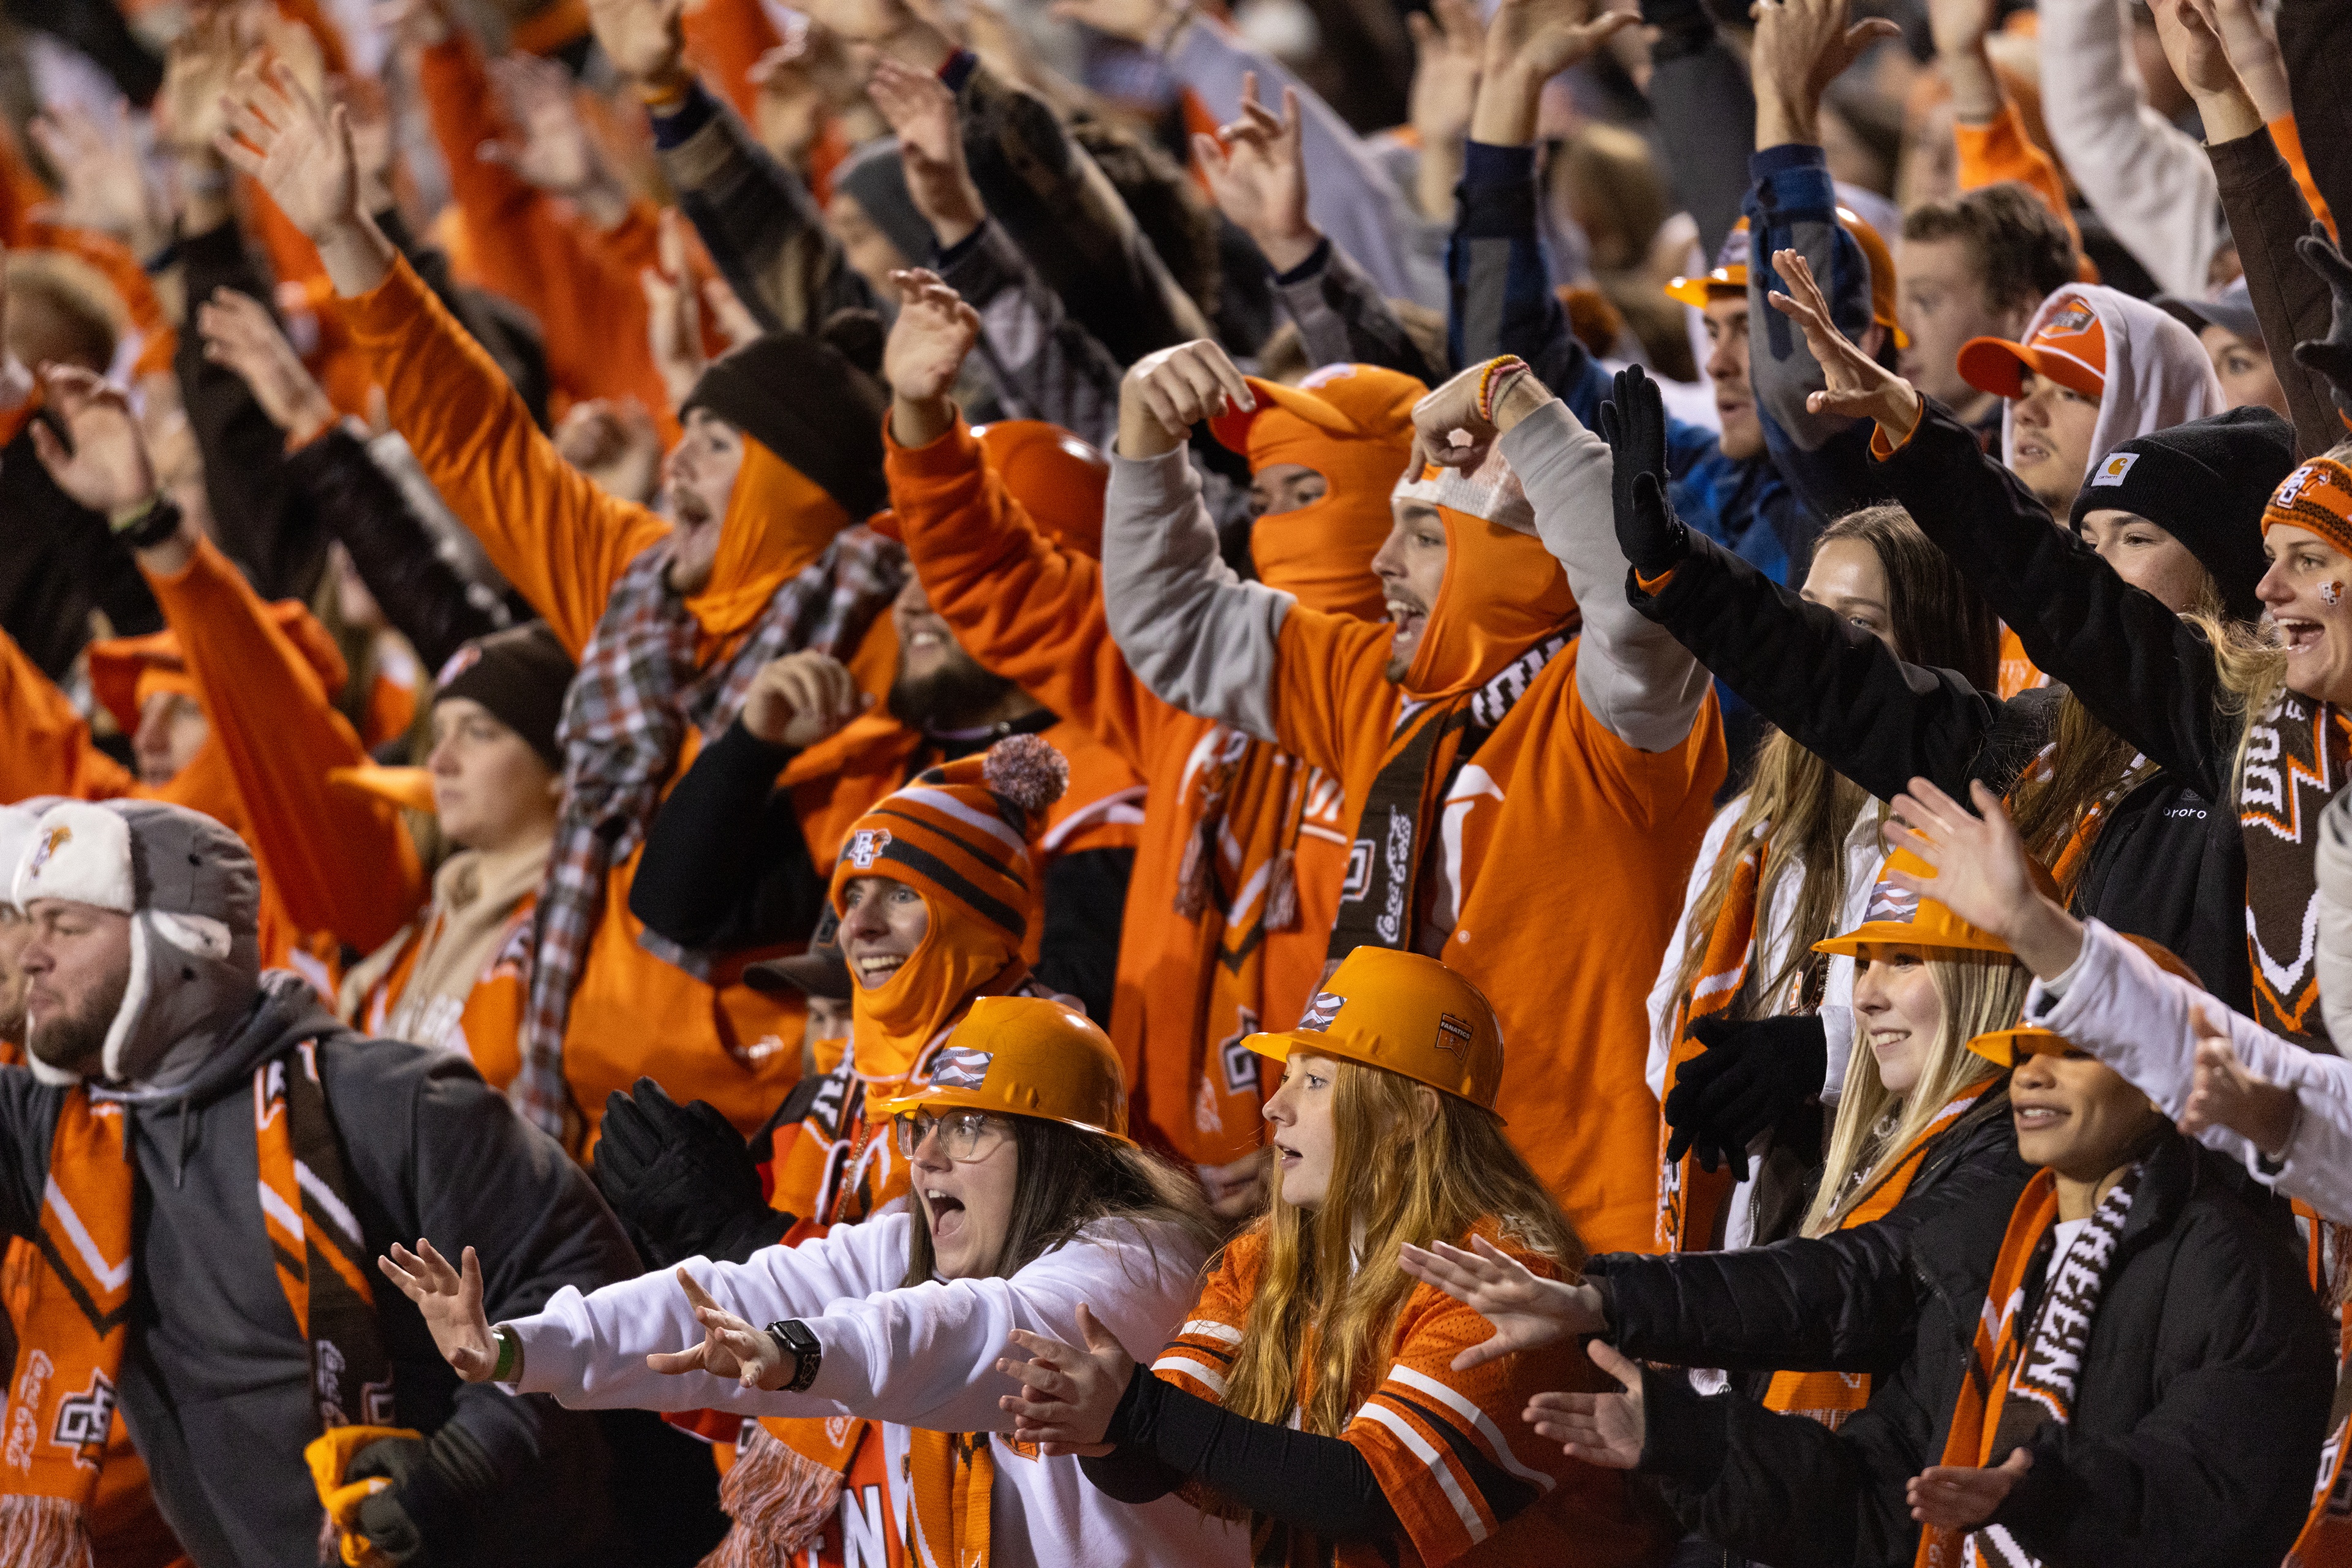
[[2197, 1420], [2168, 861], [2166, 866]]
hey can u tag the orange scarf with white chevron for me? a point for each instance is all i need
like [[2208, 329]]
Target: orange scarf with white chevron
[[73, 1330]]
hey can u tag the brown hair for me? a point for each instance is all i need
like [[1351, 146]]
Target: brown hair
[[2020, 247], [1403, 1169]]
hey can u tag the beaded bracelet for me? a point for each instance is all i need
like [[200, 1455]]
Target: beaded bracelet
[[1504, 365]]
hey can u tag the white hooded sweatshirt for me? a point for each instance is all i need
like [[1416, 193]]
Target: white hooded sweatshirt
[[2158, 374]]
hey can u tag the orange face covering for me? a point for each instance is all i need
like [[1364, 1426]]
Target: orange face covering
[[778, 521], [1490, 609], [1323, 552], [958, 957]]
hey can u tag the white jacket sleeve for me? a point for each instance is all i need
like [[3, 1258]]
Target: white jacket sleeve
[[2333, 958], [2141, 1021], [1642, 685], [2148, 179], [1200, 638]]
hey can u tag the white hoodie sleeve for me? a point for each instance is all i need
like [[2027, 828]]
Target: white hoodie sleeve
[[2333, 955], [924, 1356], [2149, 180], [2141, 1021]]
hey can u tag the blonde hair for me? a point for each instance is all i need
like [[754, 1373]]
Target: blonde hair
[[1332, 1281], [1980, 992]]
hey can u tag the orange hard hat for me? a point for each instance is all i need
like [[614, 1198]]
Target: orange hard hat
[[1406, 1014], [1897, 917], [1026, 1056], [1729, 274]]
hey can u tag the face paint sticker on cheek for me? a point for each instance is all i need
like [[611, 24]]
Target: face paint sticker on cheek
[[2331, 593]]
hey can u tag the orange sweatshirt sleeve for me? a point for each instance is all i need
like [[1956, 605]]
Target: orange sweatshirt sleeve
[[1333, 702], [1027, 609], [341, 860], [2290, 146], [1999, 149], [555, 535], [48, 751]]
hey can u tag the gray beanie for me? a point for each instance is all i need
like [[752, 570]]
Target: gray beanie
[[194, 896]]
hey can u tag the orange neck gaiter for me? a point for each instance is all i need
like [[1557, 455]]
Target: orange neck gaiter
[[778, 521], [959, 957], [1502, 594], [1323, 552]]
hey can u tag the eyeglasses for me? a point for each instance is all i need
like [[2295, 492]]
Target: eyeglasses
[[964, 1135]]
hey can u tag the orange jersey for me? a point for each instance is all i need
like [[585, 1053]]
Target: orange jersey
[[1469, 1479]]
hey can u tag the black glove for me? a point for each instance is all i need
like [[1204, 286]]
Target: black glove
[[2330, 356], [681, 1178], [439, 1487], [1633, 422], [1748, 1077]]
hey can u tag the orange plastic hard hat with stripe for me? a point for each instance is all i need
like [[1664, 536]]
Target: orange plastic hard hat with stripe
[[1897, 917], [1404, 1013], [1026, 1056], [1729, 274]]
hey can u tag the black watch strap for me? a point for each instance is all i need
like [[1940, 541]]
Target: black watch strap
[[807, 1353], [150, 525]]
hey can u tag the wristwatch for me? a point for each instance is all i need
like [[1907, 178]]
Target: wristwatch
[[807, 1353]]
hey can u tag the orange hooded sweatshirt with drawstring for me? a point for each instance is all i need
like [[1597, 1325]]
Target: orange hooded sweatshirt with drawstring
[[1263, 836], [564, 543], [336, 869], [1529, 794]]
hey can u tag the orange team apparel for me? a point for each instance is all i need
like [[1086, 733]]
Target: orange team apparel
[[1244, 847], [335, 869], [1423, 1426], [1563, 848], [564, 543]]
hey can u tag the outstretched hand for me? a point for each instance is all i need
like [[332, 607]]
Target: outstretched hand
[[2226, 1093], [1801, 46], [299, 152], [731, 1346], [1963, 1497], [1982, 873], [1257, 172], [1068, 1394], [1854, 383], [451, 1302], [108, 468], [1525, 1309], [1604, 1429], [920, 110], [1633, 424], [936, 330], [238, 332], [673, 308], [643, 38], [1527, 43]]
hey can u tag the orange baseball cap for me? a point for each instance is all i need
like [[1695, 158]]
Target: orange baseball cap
[[1729, 274], [2070, 347]]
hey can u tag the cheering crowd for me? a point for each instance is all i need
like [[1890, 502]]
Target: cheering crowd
[[1313, 783]]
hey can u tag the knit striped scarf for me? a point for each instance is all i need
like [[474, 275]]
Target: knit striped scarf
[[2296, 757], [2022, 1376], [623, 725], [2326, 1540], [74, 1323]]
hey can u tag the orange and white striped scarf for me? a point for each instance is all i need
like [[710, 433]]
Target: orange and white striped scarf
[[72, 1331], [1692, 1198], [1829, 1398], [2326, 1538]]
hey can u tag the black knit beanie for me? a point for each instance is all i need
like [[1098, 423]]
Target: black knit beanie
[[521, 675], [804, 399], [2205, 483]]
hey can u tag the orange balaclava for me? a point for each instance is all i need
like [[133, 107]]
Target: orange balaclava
[[960, 834], [778, 521], [1352, 424], [1502, 591]]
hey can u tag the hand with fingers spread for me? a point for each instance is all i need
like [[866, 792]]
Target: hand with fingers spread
[[2193, 48], [197, 70], [102, 182], [1527, 43], [673, 309], [1257, 173], [935, 331], [1166, 393], [1068, 1394], [922, 111], [801, 698], [451, 1302], [1962, 1497], [302, 154], [1604, 1429], [1633, 424], [239, 333], [1853, 382], [2227, 1093], [554, 152], [1982, 873], [644, 39], [731, 1346], [1801, 46], [106, 467], [1449, 42], [2251, 40], [1525, 1309]]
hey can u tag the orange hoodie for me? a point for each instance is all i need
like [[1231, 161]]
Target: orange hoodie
[[563, 542]]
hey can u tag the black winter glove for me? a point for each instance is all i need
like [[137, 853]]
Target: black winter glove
[[1633, 422], [439, 1487], [1748, 1077], [2330, 356], [682, 1178]]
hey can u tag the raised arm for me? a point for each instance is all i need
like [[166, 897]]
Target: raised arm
[[562, 541]]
